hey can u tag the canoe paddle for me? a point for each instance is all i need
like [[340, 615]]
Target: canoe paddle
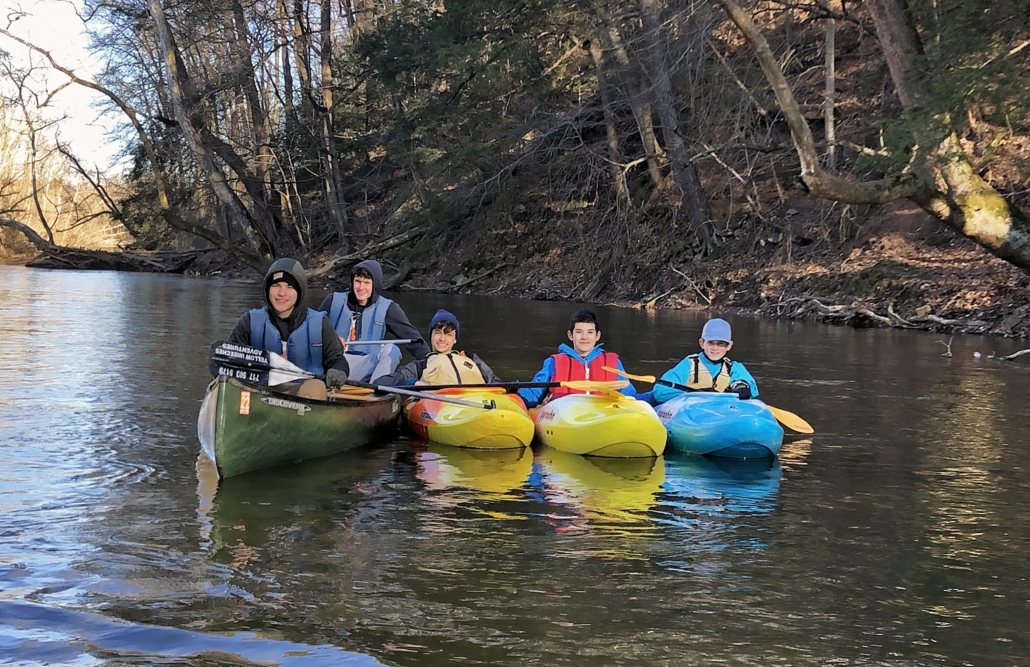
[[788, 419], [261, 367], [578, 385]]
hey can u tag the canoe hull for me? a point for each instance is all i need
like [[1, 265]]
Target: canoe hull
[[508, 426], [605, 425], [244, 428], [721, 425]]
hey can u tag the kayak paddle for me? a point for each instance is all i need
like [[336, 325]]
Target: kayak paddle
[[578, 385], [785, 417]]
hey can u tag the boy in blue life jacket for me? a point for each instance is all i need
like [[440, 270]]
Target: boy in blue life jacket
[[710, 370], [364, 314], [285, 326], [583, 361]]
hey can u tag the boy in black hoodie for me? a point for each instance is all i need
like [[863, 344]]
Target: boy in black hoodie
[[364, 314], [304, 336]]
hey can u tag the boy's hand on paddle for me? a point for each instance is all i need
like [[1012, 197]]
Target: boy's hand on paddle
[[742, 388], [334, 379]]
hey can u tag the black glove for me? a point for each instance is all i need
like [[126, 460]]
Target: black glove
[[742, 388], [334, 379]]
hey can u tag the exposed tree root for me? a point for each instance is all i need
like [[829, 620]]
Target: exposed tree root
[[855, 314]]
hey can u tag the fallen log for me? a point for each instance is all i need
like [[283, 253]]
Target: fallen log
[[163, 261]]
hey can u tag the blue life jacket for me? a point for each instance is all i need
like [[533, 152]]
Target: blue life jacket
[[373, 320], [303, 348]]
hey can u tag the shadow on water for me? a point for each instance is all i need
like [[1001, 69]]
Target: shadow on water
[[46, 635]]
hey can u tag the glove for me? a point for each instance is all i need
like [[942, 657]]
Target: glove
[[742, 389], [334, 379]]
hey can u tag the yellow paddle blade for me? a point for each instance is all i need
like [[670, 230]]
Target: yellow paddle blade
[[791, 420], [638, 378], [348, 389], [595, 385]]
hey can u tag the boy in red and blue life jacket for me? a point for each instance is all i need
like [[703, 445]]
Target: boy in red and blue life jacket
[[711, 370], [582, 361]]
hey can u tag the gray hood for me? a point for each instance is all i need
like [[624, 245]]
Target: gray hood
[[376, 269]]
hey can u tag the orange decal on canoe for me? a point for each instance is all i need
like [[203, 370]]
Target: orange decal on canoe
[[244, 402]]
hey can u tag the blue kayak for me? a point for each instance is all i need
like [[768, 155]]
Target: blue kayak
[[713, 424]]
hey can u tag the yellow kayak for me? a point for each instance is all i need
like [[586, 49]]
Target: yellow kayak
[[507, 426], [608, 424]]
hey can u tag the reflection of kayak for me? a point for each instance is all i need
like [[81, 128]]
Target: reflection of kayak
[[442, 467], [244, 428], [505, 427], [606, 425], [605, 486], [721, 425], [725, 485]]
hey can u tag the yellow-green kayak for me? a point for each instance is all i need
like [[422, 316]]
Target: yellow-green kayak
[[608, 424]]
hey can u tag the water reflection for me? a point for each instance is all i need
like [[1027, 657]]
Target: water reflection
[[697, 485], [493, 472], [896, 534], [605, 498]]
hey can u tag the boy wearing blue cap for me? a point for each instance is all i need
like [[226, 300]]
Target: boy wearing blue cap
[[711, 370], [444, 365]]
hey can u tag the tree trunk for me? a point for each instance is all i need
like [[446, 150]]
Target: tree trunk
[[615, 160], [184, 99], [333, 191], [612, 40], [684, 175]]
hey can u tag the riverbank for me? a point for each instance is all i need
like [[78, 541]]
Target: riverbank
[[900, 268]]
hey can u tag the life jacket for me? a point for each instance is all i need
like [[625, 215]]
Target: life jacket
[[304, 346], [566, 368], [698, 377], [373, 321], [451, 368]]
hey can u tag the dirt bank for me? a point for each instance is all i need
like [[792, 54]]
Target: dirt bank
[[901, 269]]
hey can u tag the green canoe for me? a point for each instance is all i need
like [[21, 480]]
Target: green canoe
[[244, 428]]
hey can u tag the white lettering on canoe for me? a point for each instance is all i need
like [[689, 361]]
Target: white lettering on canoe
[[283, 403], [239, 352]]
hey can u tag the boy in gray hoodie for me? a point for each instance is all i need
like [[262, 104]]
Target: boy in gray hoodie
[[364, 314]]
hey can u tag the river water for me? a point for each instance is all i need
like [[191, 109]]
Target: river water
[[896, 535]]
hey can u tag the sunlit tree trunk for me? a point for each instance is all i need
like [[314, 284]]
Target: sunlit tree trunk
[[958, 196]]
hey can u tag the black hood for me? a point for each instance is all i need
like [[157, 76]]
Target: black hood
[[296, 272], [376, 270]]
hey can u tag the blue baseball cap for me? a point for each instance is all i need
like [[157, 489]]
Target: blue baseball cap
[[717, 330]]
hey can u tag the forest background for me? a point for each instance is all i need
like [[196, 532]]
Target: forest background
[[859, 162]]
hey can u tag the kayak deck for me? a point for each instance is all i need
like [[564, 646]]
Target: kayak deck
[[601, 425], [507, 426], [713, 424]]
